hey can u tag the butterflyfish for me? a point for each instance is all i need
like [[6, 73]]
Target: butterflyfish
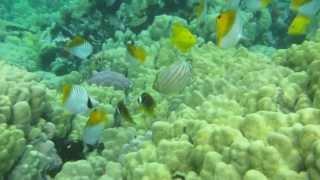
[[228, 29], [76, 99], [174, 78], [94, 127], [79, 47], [137, 52]]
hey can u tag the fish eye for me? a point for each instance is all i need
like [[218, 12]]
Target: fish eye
[[219, 16]]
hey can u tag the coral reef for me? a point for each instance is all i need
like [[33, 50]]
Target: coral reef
[[227, 124], [12, 146]]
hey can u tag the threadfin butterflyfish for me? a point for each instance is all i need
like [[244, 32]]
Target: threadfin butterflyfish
[[79, 47], [76, 99], [181, 37], [94, 127], [228, 28]]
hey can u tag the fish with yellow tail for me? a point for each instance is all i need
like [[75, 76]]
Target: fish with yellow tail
[[137, 52], [254, 5], [147, 103], [228, 28], [305, 7], [94, 127], [299, 26], [121, 113], [76, 99], [79, 47], [182, 38]]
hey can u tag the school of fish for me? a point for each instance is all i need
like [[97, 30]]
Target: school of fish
[[175, 78]]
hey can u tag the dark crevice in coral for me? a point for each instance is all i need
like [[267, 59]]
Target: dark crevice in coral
[[102, 6], [68, 151], [15, 164], [47, 56]]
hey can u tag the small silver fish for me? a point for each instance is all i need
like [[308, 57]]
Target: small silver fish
[[174, 78]]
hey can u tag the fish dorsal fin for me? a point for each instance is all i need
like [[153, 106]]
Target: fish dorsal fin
[[224, 23], [97, 116], [89, 103], [66, 90]]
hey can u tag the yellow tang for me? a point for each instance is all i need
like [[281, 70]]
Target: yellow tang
[[299, 25], [137, 52], [228, 29], [182, 38]]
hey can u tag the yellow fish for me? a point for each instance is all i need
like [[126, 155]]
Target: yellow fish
[[76, 99], [137, 52], [94, 127], [182, 38], [79, 47], [255, 5], [228, 29], [299, 25], [147, 103], [305, 7]]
